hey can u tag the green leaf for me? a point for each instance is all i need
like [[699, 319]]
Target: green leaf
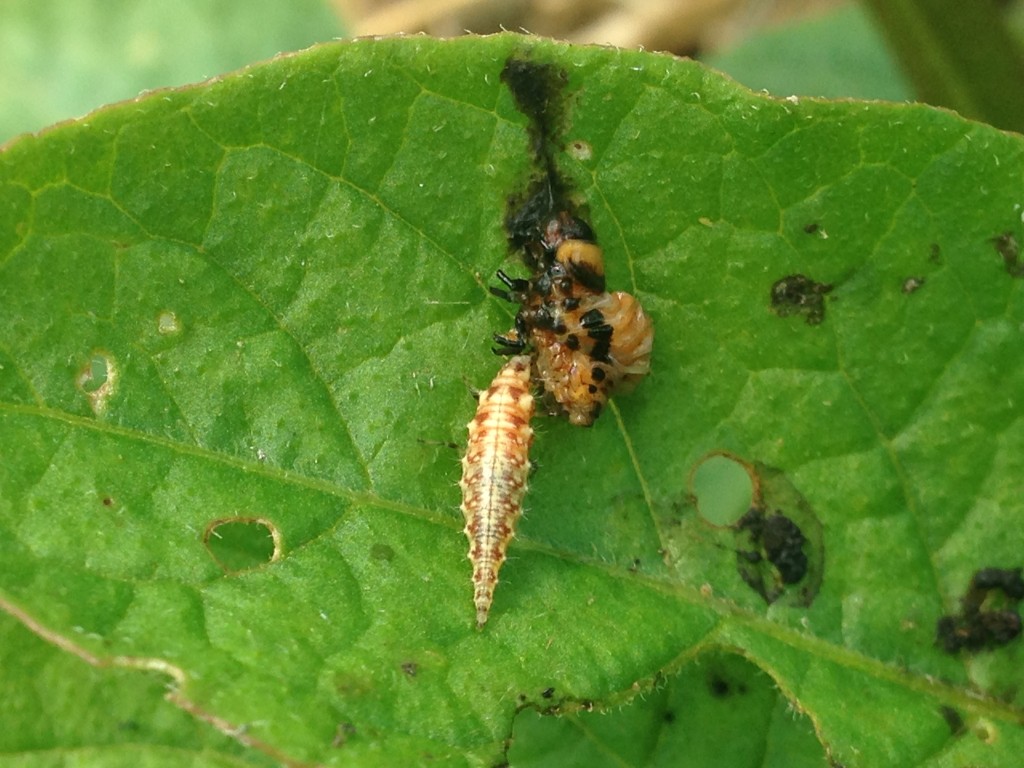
[[126, 723], [262, 302]]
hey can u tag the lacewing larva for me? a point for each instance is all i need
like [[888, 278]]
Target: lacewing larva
[[494, 475]]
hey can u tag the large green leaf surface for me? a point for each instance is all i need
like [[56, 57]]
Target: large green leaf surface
[[264, 300]]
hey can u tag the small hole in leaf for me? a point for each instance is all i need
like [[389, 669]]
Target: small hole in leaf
[[242, 543], [723, 488], [97, 379]]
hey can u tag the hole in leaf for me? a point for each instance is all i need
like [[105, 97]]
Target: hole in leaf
[[242, 543], [97, 380], [723, 488]]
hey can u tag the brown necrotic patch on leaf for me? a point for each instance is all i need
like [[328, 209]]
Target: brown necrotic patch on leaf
[[799, 294], [780, 550], [1006, 245], [989, 617], [239, 544]]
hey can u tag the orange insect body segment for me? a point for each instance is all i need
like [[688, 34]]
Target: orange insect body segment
[[602, 346], [494, 475]]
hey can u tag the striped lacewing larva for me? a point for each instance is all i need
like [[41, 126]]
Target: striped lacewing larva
[[494, 474]]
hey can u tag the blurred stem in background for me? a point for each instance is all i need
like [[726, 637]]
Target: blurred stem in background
[[959, 55]]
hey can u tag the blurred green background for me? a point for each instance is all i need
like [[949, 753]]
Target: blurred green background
[[63, 58]]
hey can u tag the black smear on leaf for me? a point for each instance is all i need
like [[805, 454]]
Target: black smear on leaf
[[1006, 246], [989, 617], [782, 543], [779, 541], [539, 91], [795, 294]]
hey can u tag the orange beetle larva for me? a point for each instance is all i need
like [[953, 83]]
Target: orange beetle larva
[[601, 346], [494, 475], [587, 342]]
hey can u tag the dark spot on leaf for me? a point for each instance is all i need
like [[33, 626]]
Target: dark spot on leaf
[[800, 294], [239, 544], [778, 541], [410, 668], [108, 501], [718, 686], [547, 693], [812, 228], [1007, 580], [774, 556], [382, 552], [989, 617], [669, 717], [1006, 246], [635, 565], [911, 284], [935, 253], [953, 720]]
